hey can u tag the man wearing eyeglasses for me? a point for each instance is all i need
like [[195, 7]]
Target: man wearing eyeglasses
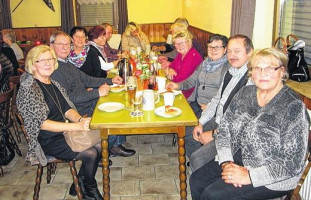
[[84, 90], [239, 51]]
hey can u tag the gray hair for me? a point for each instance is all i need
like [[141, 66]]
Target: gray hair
[[55, 34]]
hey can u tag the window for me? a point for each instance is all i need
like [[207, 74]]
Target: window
[[98, 13], [296, 18]]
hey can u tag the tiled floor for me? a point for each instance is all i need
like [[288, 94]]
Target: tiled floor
[[151, 174]]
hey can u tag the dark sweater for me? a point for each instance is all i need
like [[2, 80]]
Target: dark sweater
[[75, 82]]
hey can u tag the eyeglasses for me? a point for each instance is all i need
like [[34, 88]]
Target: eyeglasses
[[268, 70], [62, 44], [44, 61], [215, 48], [180, 43]]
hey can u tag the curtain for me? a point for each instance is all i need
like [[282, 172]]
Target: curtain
[[242, 17], [5, 14], [67, 18], [123, 16]]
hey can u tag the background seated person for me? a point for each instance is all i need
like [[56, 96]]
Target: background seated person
[[133, 37], [186, 61], [9, 37], [82, 56], [45, 106], [262, 139], [6, 50], [97, 41], [208, 76]]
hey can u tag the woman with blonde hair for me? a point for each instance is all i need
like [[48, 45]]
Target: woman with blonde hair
[[134, 37], [47, 111], [186, 61]]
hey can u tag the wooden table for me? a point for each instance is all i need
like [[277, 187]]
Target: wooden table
[[121, 123], [303, 89]]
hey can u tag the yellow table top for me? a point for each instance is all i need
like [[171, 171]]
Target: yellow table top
[[123, 119], [303, 88]]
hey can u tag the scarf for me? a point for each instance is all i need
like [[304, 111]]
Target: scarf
[[210, 66], [99, 48], [78, 60]]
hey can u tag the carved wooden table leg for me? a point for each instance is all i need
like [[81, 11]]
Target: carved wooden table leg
[[182, 161], [105, 163]]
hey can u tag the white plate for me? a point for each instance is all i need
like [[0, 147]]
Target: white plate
[[117, 88], [176, 92], [111, 106], [161, 112]]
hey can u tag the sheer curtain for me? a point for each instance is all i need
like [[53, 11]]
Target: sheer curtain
[[242, 17], [123, 15], [5, 14], [67, 15]]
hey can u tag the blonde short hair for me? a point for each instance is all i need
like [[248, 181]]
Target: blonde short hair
[[10, 34], [183, 34], [33, 55], [131, 26], [176, 27], [274, 55]]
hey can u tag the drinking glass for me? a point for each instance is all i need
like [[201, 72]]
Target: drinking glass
[[131, 86]]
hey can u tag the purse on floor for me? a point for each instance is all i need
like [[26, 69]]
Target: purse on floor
[[7, 152], [82, 140]]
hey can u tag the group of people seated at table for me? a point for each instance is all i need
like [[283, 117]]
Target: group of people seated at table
[[251, 140]]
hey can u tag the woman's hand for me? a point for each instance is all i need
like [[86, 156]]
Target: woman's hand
[[197, 131], [117, 80], [236, 175], [170, 73], [84, 123], [115, 63], [162, 59], [203, 106], [165, 64], [172, 86]]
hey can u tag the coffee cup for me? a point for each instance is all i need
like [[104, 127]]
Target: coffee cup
[[161, 81], [150, 98], [169, 98]]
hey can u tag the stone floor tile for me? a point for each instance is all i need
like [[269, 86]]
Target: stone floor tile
[[121, 188], [11, 178], [167, 171], [154, 159], [148, 139], [28, 178], [63, 175], [168, 138], [141, 173], [53, 191], [163, 148], [173, 158], [147, 197], [158, 186], [125, 161], [16, 193], [169, 197]]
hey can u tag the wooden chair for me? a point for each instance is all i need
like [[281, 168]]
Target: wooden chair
[[51, 168]]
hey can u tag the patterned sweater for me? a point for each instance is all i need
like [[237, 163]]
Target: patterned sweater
[[273, 139]]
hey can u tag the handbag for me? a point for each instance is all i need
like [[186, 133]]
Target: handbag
[[297, 66], [82, 140], [7, 152]]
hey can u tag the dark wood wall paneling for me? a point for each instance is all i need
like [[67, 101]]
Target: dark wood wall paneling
[[155, 33]]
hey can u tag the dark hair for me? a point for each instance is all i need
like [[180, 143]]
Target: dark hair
[[95, 32], [248, 44], [76, 29], [133, 24], [214, 37]]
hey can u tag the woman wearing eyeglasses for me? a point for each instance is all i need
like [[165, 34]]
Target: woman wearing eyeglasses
[[133, 36], [262, 138], [186, 61], [48, 112]]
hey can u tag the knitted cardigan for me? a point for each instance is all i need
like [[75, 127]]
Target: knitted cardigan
[[32, 107], [273, 139]]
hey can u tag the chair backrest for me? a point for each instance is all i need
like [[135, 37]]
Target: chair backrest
[[15, 83], [115, 41], [5, 103]]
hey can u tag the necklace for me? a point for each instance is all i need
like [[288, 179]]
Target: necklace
[[58, 105], [205, 78]]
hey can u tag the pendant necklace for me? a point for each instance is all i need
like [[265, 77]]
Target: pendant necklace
[[203, 87], [58, 105]]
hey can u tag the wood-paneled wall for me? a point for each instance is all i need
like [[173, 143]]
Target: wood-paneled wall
[[155, 33]]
